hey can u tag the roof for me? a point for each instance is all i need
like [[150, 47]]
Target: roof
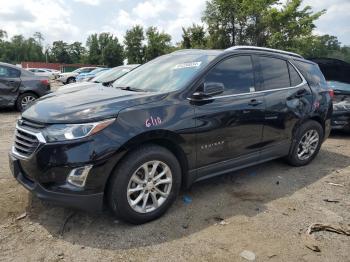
[[198, 51], [264, 49], [9, 65], [238, 48]]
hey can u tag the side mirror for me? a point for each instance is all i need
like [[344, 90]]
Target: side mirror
[[208, 90]]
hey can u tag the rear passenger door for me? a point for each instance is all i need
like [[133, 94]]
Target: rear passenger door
[[9, 85], [288, 99]]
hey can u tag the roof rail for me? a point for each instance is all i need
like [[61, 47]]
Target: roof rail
[[246, 47]]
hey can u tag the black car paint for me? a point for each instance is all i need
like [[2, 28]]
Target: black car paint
[[27, 82], [208, 137]]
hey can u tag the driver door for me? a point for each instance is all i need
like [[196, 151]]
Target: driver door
[[229, 125]]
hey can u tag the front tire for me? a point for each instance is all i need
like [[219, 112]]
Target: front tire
[[307, 143], [144, 185], [71, 80]]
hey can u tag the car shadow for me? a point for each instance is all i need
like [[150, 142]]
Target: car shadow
[[242, 193]]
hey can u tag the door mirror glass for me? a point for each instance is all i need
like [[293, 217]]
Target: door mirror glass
[[209, 89]]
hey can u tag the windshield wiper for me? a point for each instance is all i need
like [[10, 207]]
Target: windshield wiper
[[134, 89]]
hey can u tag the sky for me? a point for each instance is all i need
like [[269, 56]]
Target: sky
[[74, 20]]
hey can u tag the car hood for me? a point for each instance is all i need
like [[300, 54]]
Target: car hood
[[93, 102]]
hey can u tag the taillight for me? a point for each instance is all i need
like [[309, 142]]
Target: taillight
[[45, 82], [331, 93]]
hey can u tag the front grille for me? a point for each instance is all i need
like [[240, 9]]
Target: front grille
[[26, 139], [25, 143]]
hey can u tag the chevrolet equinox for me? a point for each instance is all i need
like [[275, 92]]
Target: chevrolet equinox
[[177, 119]]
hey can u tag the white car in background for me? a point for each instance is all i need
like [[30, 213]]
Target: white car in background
[[70, 77], [50, 73]]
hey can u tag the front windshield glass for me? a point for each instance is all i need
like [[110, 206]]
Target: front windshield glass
[[166, 73], [95, 71], [111, 75]]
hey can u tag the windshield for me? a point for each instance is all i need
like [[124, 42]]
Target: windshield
[[166, 73], [79, 70], [111, 75], [95, 71]]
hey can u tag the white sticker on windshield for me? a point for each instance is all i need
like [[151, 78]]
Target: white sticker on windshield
[[188, 65]]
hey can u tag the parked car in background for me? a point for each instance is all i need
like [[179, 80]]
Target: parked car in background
[[178, 119], [19, 87], [108, 77], [55, 72], [52, 74], [70, 77], [83, 77], [105, 78], [337, 74]]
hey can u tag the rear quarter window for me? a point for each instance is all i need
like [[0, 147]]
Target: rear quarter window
[[295, 78], [312, 73]]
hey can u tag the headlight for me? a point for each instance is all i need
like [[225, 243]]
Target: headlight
[[62, 132]]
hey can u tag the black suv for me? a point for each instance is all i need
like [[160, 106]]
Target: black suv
[[180, 118], [19, 87]]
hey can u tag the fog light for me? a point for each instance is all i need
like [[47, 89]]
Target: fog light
[[78, 176]]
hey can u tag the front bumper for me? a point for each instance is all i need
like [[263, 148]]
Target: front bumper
[[341, 120], [90, 202], [45, 172]]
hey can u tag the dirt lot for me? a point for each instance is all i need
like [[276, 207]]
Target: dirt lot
[[266, 210]]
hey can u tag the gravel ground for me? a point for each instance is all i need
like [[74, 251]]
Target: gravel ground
[[265, 209]]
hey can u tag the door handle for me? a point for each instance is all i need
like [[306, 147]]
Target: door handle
[[300, 93], [255, 102]]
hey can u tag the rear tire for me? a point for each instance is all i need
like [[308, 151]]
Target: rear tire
[[24, 100], [138, 198], [307, 143]]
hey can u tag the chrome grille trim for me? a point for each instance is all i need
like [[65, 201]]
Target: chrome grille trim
[[26, 142]]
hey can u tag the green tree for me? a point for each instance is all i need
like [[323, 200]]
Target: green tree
[[113, 53], [260, 22], [60, 52], [3, 35], [194, 37], [94, 52], [133, 41], [158, 43], [76, 52], [104, 49], [289, 26]]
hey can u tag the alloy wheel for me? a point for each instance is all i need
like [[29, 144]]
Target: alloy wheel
[[149, 186], [308, 144], [26, 100]]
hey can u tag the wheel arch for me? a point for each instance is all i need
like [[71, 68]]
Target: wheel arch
[[163, 138], [316, 118]]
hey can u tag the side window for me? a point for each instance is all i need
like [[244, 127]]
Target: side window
[[312, 73], [295, 78], [3, 71], [236, 74], [274, 73], [8, 72]]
